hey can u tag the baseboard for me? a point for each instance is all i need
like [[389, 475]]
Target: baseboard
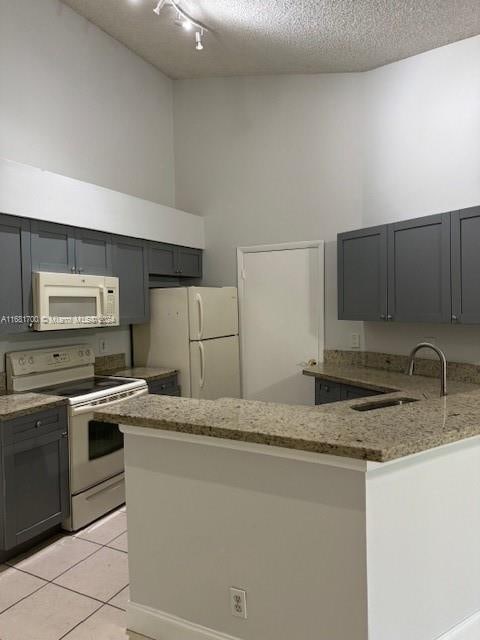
[[469, 629], [163, 626], [159, 625]]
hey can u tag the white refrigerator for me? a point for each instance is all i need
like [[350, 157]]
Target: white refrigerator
[[194, 330]]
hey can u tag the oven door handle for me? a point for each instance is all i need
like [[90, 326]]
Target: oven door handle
[[88, 408]]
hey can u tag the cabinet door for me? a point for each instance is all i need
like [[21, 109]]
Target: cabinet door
[[52, 247], [93, 252], [162, 259], [362, 274], [326, 391], [419, 270], [465, 226], [130, 265], [35, 487], [350, 393], [189, 262], [15, 283]]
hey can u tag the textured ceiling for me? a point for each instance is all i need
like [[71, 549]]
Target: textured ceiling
[[249, 37]]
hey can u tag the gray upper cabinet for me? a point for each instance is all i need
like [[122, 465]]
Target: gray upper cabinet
[[162, 259], [93, 252], [52, 247], [465, 226], [172, 260], [34, 479], [362, 274], [189, 262], [419, 287], [130, 265], [15, 283]]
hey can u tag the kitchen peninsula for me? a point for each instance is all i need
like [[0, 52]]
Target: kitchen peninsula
[[337, 523]]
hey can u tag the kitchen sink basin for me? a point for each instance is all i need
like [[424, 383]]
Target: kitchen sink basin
[[381, 404]]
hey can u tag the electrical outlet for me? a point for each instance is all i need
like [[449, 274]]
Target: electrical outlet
[[238, 602], [102, 345], [355, 341]]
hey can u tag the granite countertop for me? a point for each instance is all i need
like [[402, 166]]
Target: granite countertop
[[336, 429], [16, 405], [146, 373], [380, 380]]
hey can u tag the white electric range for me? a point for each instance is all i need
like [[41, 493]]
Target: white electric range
[[97, 483]]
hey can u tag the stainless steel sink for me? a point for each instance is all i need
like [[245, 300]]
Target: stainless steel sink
[[382, 404]]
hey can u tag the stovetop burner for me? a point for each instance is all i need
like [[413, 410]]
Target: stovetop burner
[[84, 387]]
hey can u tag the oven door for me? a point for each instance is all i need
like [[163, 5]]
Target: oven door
[[96, 448]]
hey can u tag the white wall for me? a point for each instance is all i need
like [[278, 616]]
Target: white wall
[[76, 102], [422, 156], [301, 157], [268, 160], [77, 107]]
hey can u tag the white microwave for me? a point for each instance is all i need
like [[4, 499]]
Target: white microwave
[[74, 301]]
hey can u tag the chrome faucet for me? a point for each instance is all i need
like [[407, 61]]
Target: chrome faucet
[[443, 363]]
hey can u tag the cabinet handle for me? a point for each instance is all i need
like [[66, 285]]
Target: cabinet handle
[[73, 269], [389, 317], [38, 424], [80, 270], [327, 388], [382, 317], [64, 434]]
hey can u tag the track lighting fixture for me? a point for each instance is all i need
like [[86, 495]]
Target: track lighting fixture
[[198, 40], [185, 20]]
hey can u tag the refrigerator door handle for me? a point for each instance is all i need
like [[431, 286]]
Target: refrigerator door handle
[[202, 364], [198, 298]]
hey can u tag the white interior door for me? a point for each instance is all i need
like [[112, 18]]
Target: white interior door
[[213, 312], [215, 368], [281, 293]]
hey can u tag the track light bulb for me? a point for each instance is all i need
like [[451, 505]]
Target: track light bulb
[[198, 41]]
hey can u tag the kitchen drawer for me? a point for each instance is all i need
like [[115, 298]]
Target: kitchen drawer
[[164, 386], [34, 425], [326, 391]]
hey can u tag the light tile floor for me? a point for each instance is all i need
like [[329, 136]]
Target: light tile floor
[[72, 587]]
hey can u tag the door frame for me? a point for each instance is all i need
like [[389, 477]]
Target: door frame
[[285, 246]]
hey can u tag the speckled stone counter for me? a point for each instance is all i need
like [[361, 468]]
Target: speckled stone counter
[[20, 404], [335, 429], [146, 373], [379, 380]]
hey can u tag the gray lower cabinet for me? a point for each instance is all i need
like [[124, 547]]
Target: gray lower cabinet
[[164, 386], [130, 265], [465, 229], [326, 392], [52, 247], [34, 478], [15, 283], [172, 260], [419, 270], [93, 252], [362, 274]]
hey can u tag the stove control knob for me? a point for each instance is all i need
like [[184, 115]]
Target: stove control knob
[[21, 362], [30, 360], [87, 352], [80, 353]]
